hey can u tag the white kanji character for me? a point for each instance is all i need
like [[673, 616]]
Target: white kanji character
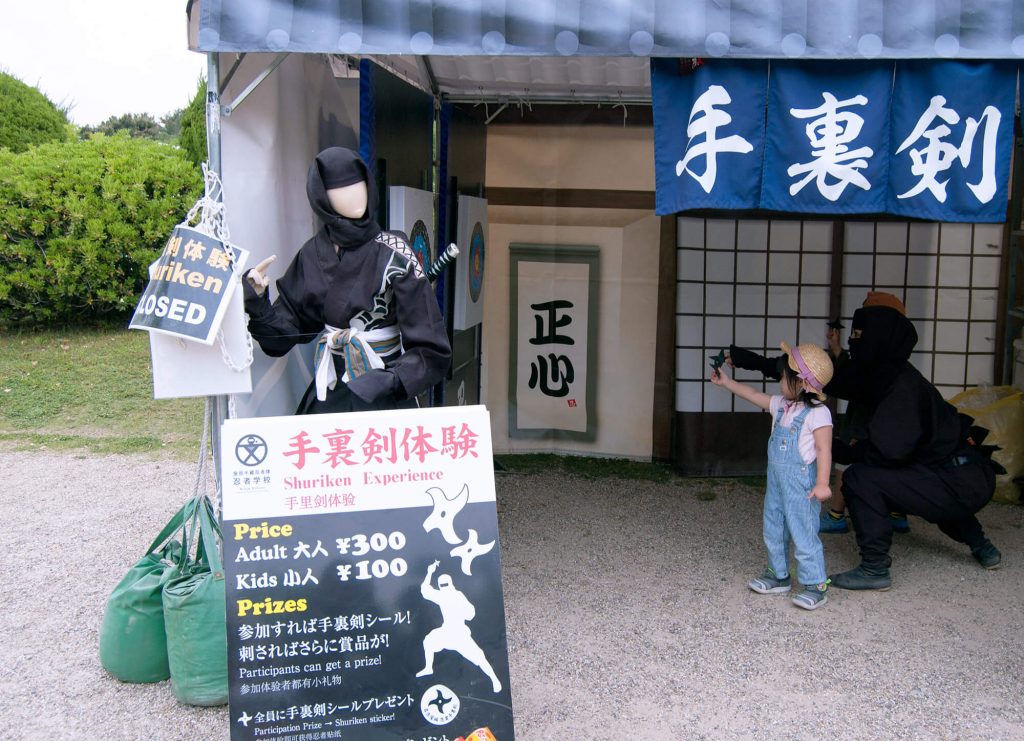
[[830, 132], [705, 120], [937, 156]]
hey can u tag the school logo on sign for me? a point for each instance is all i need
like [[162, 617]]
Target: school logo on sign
[[251, 450]]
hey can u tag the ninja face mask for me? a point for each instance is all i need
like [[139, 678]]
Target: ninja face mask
[[880, 335]]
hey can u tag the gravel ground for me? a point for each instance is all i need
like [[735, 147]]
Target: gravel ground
[[628, 616]]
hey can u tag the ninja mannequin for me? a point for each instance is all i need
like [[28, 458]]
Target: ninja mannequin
[[360, 292], [348, 200]]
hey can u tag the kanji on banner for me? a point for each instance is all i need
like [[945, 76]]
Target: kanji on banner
[[952, 134], [925, 139], [708, 134], [826, 148]]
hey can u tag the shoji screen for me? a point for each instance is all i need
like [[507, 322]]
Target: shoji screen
[[753, 283], [757, 282], [948, 277]]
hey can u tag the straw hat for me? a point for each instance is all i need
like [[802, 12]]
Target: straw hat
[[811, 364]]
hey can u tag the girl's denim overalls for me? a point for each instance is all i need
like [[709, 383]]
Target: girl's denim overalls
[[788, 513]]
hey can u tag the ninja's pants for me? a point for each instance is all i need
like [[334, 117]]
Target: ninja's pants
[[949, 497]]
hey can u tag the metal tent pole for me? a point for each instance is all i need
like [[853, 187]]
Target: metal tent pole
[[214, 111], [219, 404]]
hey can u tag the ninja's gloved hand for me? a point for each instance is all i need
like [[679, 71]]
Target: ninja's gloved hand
[[375, 384]]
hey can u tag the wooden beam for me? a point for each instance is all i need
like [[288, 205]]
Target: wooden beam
[[571, 198], [665, 343]]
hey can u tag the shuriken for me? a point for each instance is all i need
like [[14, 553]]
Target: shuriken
[[717, 361], [440, 701]]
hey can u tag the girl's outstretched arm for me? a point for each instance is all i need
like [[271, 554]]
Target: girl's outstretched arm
[[757, 398]]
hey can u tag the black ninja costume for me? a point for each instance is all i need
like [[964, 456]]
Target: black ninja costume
[[363, 293], [918, 456]]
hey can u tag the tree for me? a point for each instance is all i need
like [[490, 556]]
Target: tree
[[136, 124], [171, 123], [80, 222], [192, 138], [27, 117]]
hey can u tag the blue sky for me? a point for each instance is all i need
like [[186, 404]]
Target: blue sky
[[106, 57]]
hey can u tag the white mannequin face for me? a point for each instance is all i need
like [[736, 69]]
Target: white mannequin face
[[349, 200]]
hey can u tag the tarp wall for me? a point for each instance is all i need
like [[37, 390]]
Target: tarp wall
[[267, 144]]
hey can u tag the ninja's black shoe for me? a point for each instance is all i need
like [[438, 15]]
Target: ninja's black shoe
[[863, 577], [987, 555]]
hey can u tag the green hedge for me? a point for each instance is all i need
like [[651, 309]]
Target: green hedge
[[27, 117], [80, 222]]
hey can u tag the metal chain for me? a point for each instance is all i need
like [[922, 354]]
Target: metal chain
[[210, 210], [228, 360]]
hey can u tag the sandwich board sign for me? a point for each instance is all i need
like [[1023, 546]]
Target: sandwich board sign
[[363, 576]]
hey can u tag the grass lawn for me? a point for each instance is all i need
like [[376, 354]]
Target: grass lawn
[[90, 390]]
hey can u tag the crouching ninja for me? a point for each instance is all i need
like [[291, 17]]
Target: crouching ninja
[[920, 456]]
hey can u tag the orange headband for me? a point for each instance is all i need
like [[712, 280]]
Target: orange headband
[[881, 298]]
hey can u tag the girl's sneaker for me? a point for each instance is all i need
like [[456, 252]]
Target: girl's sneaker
[[813, 596], [768, 583]]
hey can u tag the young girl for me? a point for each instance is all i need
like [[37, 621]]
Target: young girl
[[799, 465]]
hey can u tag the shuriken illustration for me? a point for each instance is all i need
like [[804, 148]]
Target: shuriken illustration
[[470, 550], [445, 509]]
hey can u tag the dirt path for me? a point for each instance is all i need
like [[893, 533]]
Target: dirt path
[[627, 611]]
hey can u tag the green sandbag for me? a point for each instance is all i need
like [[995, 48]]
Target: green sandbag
[[195, 622], [133, 646]]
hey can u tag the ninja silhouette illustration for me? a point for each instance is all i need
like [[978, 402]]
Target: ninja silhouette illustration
[[454, 634]]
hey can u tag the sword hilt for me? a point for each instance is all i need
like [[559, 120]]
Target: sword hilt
[[443, 260]]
